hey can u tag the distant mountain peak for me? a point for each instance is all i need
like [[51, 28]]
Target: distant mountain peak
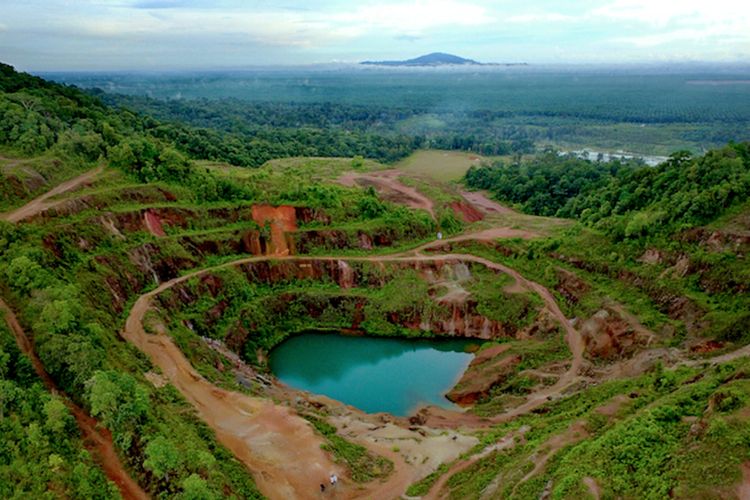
[[433, 59]]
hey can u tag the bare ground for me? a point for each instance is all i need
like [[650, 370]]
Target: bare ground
[[743, 490], [41, 203], [387, 184], [480, 200]]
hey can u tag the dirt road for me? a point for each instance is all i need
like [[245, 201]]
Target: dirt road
[[98, 441], [40, 203], [280, 448], [387, 184]]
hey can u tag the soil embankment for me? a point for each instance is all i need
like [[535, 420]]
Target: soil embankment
[[480, 200], [98, 441], [280, 220], [40, 203]]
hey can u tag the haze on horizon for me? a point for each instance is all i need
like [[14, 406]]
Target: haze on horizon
[[58, 35]]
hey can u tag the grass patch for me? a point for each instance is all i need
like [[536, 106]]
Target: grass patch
[[363, 465]]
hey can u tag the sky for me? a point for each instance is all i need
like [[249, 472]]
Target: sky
[[59, 35]]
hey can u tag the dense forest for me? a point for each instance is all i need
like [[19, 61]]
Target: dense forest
[[84, 128], [495, 111], [626, 200]]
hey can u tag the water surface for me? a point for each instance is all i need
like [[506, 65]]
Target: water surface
[[373, 374]]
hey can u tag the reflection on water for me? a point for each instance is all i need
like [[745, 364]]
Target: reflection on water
[[373, 374]]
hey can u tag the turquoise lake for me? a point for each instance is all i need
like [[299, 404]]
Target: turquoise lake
[[373, 374]]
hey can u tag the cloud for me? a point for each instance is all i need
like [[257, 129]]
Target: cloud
[[692, 23], [160, 4], [413, 18], [699, 12], [541, 17]]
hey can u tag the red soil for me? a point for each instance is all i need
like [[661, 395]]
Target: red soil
[[387, 184], [153, 224], [281, 220], [743, 490], [479, 200], [466, 211]]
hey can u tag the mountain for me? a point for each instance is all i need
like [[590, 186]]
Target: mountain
[[434, 59]]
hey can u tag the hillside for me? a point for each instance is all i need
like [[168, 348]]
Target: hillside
[[433, 59], [147, 274]]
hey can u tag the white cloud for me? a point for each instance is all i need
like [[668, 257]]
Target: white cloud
[[283, 27], [540, 17], [415, 17], [661, 13]]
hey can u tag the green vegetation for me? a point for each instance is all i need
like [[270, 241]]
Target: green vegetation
[[626, 201], [644, 110], [41, 451], [362, 465], [445, 166], [422, 487], [640, 437]]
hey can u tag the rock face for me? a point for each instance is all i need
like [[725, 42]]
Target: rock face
[[570, 286], [608, 336], [489, 368], [281, 220]]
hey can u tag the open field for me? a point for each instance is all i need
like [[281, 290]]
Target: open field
[[443, 166]]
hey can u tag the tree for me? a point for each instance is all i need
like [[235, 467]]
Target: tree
[[120, 401], [162, 457], [196, 488]]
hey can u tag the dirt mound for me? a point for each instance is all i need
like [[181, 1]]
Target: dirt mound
[[466, 211], [387, 185], [480, 200], [281, 220], [608, 335], [489, 368]]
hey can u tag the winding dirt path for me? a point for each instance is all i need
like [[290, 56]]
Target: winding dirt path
[[277, 446], [40, 203], [97, 440]]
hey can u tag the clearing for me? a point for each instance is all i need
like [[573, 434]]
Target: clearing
[[443, 166]]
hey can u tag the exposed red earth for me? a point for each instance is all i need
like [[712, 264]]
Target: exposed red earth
[[388, 186], [480, 200], [281, 220]]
